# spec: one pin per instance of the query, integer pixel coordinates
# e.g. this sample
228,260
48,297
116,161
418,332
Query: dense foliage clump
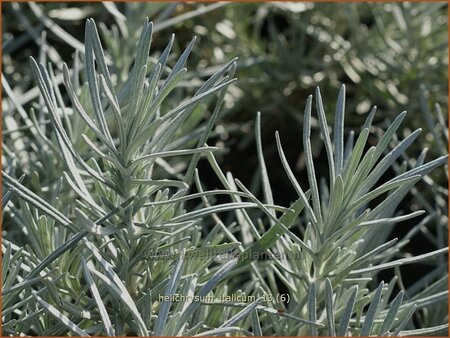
130,208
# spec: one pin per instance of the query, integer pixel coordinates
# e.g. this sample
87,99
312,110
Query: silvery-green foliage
330,270
98,265
108,222
119,40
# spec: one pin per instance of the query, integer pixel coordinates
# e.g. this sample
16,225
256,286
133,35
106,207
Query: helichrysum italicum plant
344,243
101,260
121,215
